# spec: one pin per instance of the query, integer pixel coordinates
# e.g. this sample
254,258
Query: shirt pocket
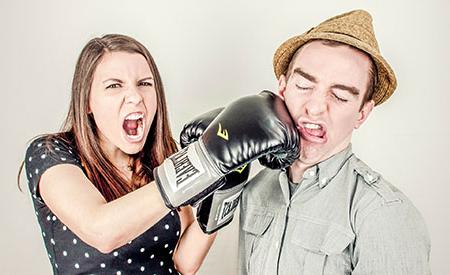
322,247
256,226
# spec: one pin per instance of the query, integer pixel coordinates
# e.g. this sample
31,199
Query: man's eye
302,87
339,98
146,83
112,86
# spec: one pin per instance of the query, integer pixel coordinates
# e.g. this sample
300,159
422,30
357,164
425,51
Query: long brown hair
81,125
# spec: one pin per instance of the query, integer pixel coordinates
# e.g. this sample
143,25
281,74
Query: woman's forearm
192,249
123,219
103,225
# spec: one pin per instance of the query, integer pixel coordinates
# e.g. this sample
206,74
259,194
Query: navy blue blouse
149,253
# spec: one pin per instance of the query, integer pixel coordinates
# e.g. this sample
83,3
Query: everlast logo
183,167
228,207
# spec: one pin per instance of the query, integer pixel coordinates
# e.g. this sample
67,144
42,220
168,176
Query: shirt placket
286,227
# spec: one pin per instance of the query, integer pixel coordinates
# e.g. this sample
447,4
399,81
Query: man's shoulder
260,180
374,194
369,182
262,187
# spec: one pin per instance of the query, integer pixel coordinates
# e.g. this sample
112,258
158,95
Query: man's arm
392,239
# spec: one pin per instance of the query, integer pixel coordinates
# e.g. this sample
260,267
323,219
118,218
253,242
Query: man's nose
317,104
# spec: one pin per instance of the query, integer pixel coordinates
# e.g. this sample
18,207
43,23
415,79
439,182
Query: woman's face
123,101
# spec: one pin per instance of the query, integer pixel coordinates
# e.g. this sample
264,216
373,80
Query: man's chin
311,153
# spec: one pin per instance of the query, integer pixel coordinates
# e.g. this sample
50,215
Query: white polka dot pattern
149,253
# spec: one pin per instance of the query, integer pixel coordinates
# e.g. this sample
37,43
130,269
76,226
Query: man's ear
282,85
364,113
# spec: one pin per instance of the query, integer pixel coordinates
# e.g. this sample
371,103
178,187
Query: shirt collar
328,168
324,171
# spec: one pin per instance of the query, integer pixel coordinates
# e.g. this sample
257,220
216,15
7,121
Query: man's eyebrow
305,75
353,90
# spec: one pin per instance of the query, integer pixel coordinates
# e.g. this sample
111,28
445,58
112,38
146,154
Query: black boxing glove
194,129
216,210
246,129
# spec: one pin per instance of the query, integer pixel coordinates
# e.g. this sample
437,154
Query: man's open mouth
313,132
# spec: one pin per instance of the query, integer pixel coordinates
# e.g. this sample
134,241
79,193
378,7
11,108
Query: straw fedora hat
353,28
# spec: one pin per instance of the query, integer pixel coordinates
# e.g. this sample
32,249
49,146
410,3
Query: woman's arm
80,206
193,245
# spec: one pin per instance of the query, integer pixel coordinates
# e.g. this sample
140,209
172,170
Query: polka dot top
149,253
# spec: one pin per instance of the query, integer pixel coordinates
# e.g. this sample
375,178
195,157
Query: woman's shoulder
53,144
48,150
65,139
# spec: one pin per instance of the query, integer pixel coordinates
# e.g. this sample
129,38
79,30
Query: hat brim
386,81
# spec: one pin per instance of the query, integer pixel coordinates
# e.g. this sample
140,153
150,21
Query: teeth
134,116
312,126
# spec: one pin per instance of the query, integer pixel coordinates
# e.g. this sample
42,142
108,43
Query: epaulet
375,181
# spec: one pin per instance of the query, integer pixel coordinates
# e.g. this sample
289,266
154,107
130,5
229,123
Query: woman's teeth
134,116
133,126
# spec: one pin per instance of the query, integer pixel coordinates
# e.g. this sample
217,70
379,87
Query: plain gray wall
209,54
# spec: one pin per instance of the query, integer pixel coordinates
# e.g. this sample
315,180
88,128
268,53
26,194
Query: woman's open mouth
133,126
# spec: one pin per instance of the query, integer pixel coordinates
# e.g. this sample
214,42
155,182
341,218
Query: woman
92,186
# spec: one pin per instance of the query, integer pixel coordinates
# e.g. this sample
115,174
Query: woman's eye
112,86
339,98
146,83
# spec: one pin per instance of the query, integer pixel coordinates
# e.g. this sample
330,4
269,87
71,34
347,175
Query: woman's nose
133,96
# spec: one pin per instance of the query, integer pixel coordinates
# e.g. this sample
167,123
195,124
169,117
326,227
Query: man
329,213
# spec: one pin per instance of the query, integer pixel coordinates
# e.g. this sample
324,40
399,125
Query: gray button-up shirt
344,218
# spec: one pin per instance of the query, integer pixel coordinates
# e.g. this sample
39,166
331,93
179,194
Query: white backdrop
209,54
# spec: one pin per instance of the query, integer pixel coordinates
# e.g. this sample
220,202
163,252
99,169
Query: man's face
323,92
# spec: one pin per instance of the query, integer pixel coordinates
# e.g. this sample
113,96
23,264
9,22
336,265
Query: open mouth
133,126
312,132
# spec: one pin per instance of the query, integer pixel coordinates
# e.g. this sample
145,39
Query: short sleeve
45,152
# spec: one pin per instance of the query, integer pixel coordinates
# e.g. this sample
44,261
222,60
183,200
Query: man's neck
297,169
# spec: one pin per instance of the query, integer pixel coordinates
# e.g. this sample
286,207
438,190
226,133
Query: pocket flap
321,238
256,222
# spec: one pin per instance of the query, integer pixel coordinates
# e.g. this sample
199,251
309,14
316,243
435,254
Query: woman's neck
118,158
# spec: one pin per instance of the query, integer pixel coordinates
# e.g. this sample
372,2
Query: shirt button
312,173
324,180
